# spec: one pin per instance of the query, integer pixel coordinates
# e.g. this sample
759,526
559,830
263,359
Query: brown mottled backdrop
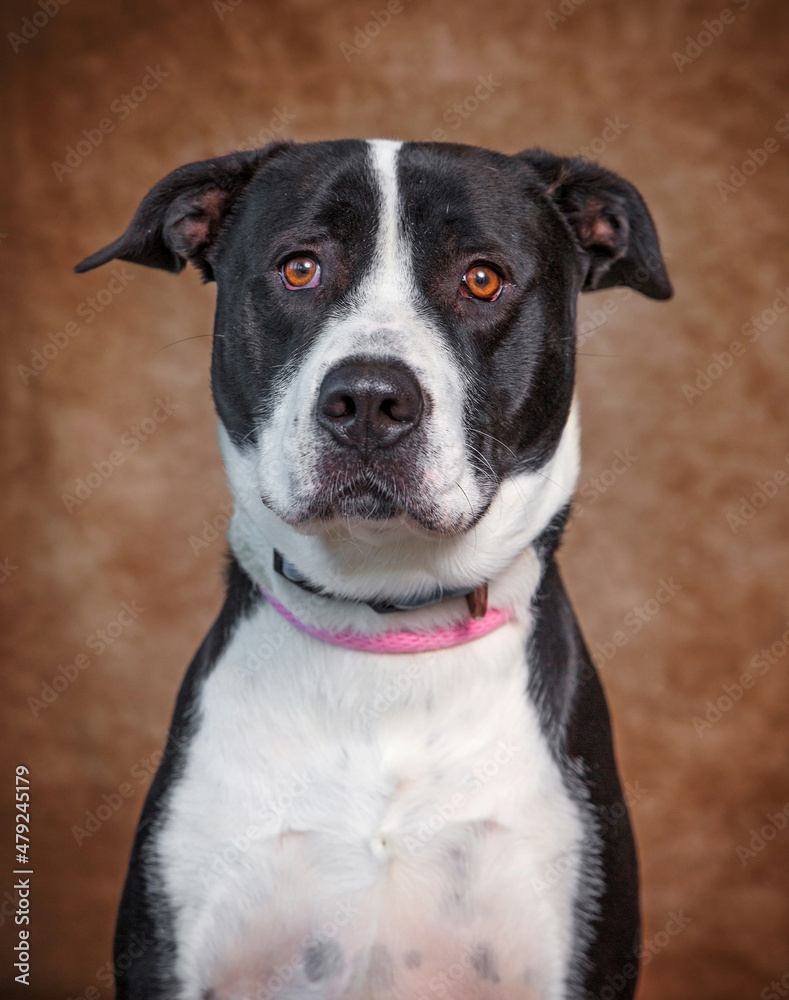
674,437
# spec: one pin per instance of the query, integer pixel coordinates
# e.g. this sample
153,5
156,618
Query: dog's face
394,332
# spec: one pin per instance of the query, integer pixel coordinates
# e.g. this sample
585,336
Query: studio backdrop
677,554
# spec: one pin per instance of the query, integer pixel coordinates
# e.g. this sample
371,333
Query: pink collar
402,641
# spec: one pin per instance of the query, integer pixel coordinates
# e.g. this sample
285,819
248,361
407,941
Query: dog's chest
365,826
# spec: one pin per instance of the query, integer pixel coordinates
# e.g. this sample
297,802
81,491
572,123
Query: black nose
369,404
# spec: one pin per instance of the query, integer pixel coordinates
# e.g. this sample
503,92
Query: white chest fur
370,826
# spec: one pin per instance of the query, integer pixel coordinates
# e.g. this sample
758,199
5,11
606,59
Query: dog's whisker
197,336
497,441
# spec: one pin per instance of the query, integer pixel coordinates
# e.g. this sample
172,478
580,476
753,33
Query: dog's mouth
370,496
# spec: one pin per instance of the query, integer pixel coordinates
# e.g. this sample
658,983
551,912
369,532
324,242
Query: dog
390,772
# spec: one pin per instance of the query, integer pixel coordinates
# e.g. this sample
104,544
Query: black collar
477,597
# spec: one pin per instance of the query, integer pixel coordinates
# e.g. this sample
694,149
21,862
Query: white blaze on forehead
392,264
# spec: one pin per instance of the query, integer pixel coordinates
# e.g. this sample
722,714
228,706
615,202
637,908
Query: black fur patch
566,689
322,960
144,951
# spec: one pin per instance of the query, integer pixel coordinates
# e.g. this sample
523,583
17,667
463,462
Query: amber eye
482,282
300,272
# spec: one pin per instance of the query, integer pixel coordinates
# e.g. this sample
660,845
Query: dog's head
394,334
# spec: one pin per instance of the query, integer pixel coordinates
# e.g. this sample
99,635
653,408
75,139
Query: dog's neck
393,561
476,597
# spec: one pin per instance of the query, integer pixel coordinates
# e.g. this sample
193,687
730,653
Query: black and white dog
390,771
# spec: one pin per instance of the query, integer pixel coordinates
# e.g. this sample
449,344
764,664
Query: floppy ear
180,218
610,221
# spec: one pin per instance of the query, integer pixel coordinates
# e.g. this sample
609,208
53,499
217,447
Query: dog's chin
373,509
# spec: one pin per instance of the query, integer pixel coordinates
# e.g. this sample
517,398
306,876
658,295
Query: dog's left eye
300,272
482,282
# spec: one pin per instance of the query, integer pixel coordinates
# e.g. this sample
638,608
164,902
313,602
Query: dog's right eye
300,272
481,282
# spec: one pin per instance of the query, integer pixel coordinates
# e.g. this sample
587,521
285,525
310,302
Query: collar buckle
477,602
